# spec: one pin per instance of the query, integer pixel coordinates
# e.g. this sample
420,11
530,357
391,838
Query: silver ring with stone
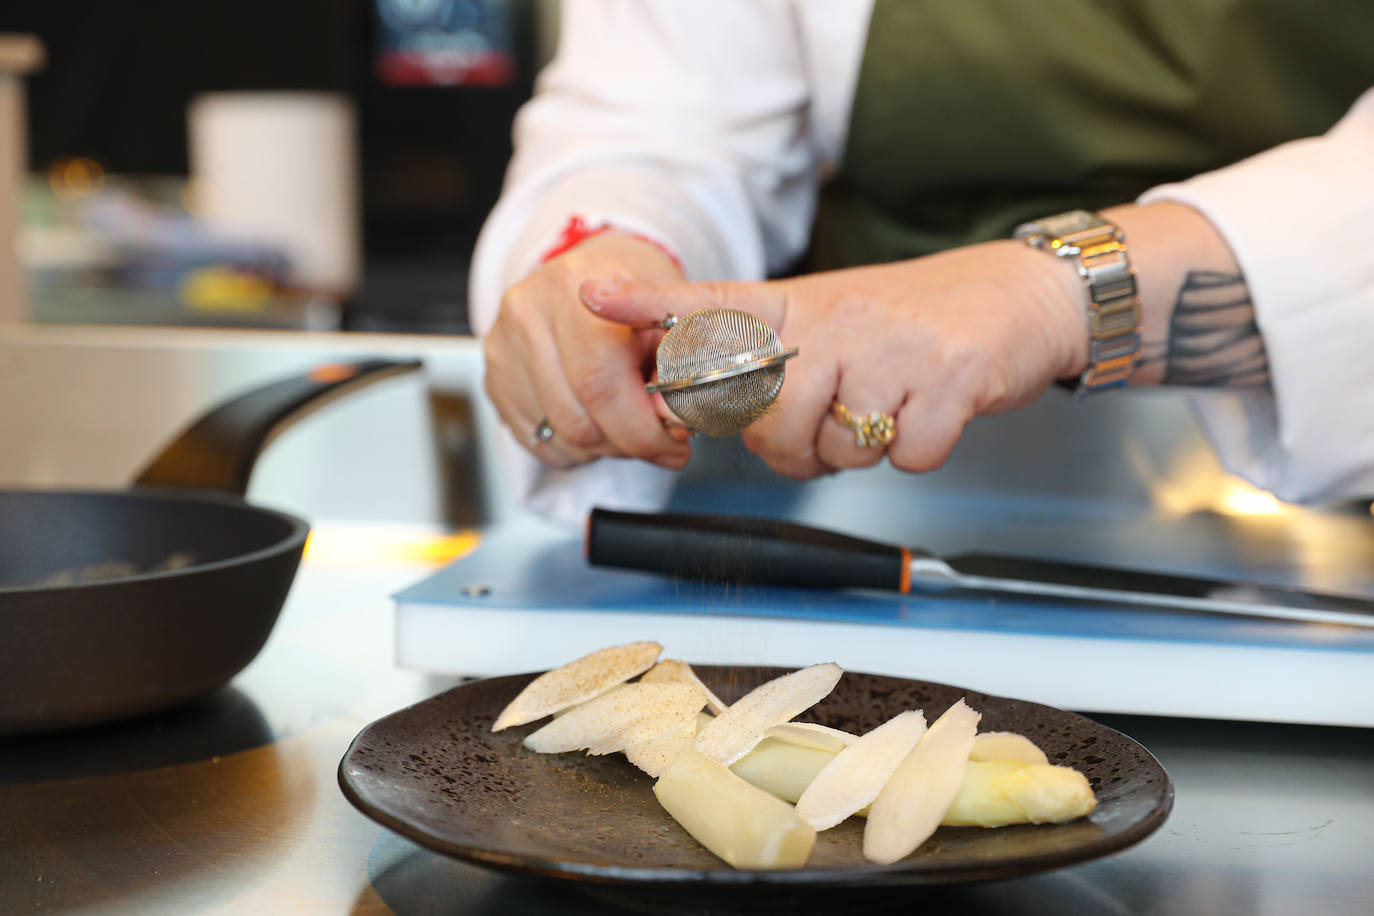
542,433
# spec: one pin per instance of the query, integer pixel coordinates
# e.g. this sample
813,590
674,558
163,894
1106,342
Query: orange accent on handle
905,585
332,372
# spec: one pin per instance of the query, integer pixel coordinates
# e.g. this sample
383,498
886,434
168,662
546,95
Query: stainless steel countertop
232,805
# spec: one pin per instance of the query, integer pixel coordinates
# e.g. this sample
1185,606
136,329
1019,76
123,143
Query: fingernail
678,433
598,289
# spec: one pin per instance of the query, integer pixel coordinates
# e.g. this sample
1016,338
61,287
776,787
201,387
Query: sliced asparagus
654,756
809,734
622,717
1006,746
577,682
670,669
741,824
735,732
783,769
912,804
858,773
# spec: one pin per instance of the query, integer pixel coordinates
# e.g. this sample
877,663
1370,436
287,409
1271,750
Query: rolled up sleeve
1298,218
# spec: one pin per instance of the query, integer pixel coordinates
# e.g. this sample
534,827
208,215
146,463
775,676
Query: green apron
972,116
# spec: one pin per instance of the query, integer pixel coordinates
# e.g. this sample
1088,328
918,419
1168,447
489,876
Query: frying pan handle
218,451
743,551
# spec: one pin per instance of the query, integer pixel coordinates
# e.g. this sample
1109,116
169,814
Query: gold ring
876,429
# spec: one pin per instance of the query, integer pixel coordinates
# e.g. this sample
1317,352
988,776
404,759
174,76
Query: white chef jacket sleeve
685,122
1299,218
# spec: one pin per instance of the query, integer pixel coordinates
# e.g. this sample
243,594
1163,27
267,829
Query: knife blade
745,550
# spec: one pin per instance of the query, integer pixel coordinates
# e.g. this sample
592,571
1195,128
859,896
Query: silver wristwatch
1099,249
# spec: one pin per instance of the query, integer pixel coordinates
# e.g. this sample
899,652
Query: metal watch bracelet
1099,249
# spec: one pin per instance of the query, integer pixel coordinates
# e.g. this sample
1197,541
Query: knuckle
844,453
527,322
927,454
796,466
498,380
522,307
867,457
492,381
513,300
640,443
492,354
578,430
596,386
795,463
914,460
764,448
677,462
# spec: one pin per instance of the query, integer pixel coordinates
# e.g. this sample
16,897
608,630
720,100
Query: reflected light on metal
1227,496
1239,498
1198,483
383,545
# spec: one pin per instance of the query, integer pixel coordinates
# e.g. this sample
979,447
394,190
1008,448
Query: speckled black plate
435,773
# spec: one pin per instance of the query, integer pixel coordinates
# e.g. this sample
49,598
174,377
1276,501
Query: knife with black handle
744,550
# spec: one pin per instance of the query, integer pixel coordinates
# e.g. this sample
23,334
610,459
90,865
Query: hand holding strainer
719,369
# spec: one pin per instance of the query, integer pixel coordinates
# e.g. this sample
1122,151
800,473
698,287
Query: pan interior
63,537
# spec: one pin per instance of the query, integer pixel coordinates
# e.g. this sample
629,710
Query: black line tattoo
1213,338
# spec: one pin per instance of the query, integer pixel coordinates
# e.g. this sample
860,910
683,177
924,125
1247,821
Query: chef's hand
932,341
549,357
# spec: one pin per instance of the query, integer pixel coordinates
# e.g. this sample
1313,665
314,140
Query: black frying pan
114,604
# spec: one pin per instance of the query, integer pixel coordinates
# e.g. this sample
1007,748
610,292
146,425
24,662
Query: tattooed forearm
1213,338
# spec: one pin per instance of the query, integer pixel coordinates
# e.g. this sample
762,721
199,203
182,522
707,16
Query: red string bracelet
576,231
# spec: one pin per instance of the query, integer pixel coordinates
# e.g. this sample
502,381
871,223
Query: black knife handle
741,550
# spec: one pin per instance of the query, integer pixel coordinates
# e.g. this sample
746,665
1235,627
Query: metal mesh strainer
720,369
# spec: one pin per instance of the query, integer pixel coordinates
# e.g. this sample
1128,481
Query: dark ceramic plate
435,773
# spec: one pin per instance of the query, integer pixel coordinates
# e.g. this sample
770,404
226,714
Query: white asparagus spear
809,734
996,793
745,826
991,794
782,769
1006,746
912,804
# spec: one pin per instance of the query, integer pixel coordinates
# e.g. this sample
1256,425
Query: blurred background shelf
433,87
